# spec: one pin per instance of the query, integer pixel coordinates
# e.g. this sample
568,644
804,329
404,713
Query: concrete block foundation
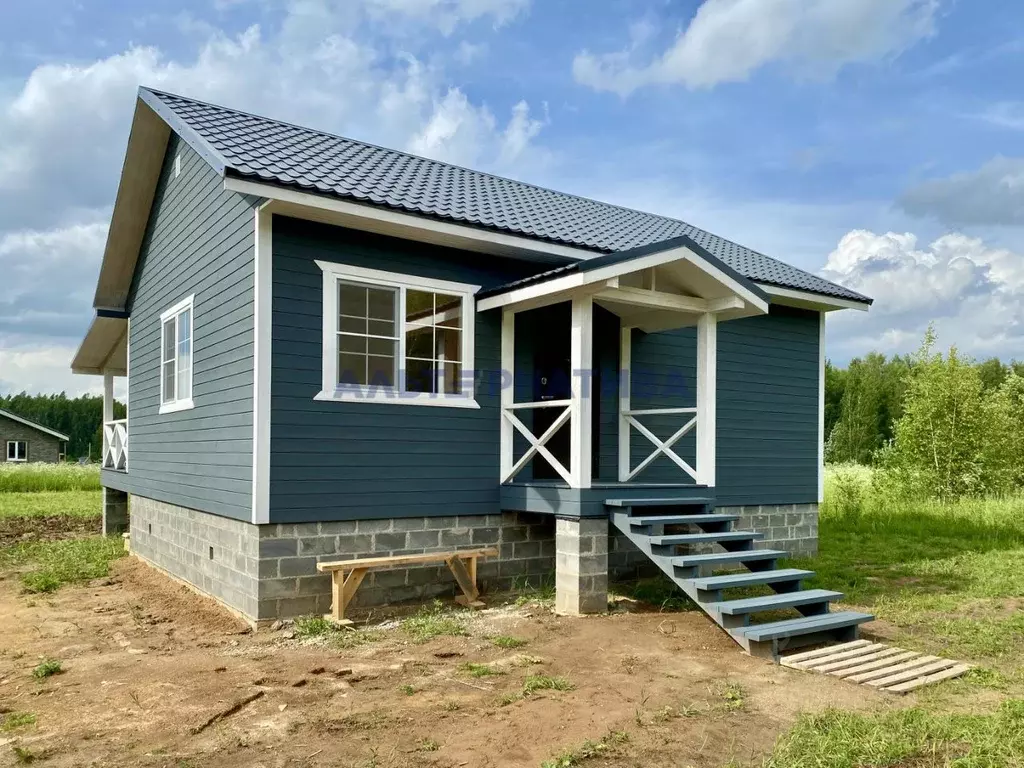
266,572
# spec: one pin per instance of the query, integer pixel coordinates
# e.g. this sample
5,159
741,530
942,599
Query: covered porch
104,352
583,421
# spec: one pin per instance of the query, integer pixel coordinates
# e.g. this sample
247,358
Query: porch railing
115,445
630,420
537,444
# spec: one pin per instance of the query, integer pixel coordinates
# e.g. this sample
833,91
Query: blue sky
876,142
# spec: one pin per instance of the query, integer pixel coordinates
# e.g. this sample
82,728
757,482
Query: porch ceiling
669,285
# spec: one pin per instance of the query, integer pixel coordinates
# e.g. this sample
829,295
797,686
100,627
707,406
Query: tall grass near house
944,572
32,478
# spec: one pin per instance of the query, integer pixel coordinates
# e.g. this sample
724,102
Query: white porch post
108,396
707,369
508,368
581,365
625,382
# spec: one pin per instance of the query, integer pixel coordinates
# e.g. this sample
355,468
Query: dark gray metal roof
261,149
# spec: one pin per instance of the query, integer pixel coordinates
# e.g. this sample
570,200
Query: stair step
725,558
682,501
698,538
730,580
681,519
802,626
773,602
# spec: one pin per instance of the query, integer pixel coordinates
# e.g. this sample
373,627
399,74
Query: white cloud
973,292
727,40
446,15
43,368
992,195
63,134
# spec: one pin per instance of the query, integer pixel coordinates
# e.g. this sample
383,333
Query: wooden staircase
644,522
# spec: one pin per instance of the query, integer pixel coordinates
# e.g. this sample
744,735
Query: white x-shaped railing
115,445
537,443
661,447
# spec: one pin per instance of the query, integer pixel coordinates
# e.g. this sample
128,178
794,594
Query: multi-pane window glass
433,343
367,335
17,450
176,357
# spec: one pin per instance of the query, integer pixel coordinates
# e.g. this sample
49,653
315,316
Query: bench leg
343,589
466,579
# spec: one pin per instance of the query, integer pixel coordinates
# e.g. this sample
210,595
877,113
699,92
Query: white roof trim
371,218
32,424
808,300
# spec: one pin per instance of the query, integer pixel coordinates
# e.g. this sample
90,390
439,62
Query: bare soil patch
52,528
152,674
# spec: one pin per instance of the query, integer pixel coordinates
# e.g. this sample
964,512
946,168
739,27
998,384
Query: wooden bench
347,575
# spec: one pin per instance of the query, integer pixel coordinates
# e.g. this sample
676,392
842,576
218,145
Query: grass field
28,478
51,504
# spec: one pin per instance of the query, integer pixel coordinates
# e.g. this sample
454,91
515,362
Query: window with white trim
17,450
176,342
396,338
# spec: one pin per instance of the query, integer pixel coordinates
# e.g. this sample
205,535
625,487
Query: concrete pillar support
115,512
581,566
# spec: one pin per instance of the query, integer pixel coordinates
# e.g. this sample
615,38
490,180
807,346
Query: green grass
535,683
908,737
508,642
55,563
434,621
659,592
314,626
47,668
945,574
13,720
533,590
480,670
588,750
32,478
353,638
83,504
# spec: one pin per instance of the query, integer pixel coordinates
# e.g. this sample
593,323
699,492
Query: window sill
17,461
179,405
394,398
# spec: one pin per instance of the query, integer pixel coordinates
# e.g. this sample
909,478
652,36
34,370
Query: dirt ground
146,663
14,530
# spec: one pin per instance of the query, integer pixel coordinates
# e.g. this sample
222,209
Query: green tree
941,445
871,401
79,418
993,373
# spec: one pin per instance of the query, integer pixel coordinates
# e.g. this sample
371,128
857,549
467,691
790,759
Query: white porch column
625,382
707,370
581,366
108,396
508,394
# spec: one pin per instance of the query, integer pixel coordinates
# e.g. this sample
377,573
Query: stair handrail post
707,374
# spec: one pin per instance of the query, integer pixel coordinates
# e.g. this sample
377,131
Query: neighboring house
340,350
25,441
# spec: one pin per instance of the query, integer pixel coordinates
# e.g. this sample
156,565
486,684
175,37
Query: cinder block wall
267,572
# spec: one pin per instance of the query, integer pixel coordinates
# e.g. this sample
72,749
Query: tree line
80,418
938,425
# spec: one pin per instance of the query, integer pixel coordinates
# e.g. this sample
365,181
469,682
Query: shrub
47,668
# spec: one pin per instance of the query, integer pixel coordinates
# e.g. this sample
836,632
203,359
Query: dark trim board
562,501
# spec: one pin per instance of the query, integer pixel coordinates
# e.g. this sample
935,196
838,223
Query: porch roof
105,346
654,287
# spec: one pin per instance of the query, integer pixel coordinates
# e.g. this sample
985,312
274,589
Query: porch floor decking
556,498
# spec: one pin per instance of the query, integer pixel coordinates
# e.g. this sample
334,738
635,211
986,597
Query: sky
878,143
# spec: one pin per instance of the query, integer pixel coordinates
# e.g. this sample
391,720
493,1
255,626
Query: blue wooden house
335,351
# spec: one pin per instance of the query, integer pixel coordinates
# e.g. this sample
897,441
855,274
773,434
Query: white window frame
24,457
187,403
332,390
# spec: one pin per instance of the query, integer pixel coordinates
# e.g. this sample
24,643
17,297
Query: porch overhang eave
104,348
666,285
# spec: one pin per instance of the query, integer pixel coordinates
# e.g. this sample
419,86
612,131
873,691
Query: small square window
17,450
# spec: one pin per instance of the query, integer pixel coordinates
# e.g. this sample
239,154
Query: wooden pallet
880,666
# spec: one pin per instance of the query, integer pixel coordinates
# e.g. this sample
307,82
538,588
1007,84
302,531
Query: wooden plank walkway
890,669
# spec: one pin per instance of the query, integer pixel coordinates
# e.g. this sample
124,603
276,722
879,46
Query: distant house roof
27,423
245,146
